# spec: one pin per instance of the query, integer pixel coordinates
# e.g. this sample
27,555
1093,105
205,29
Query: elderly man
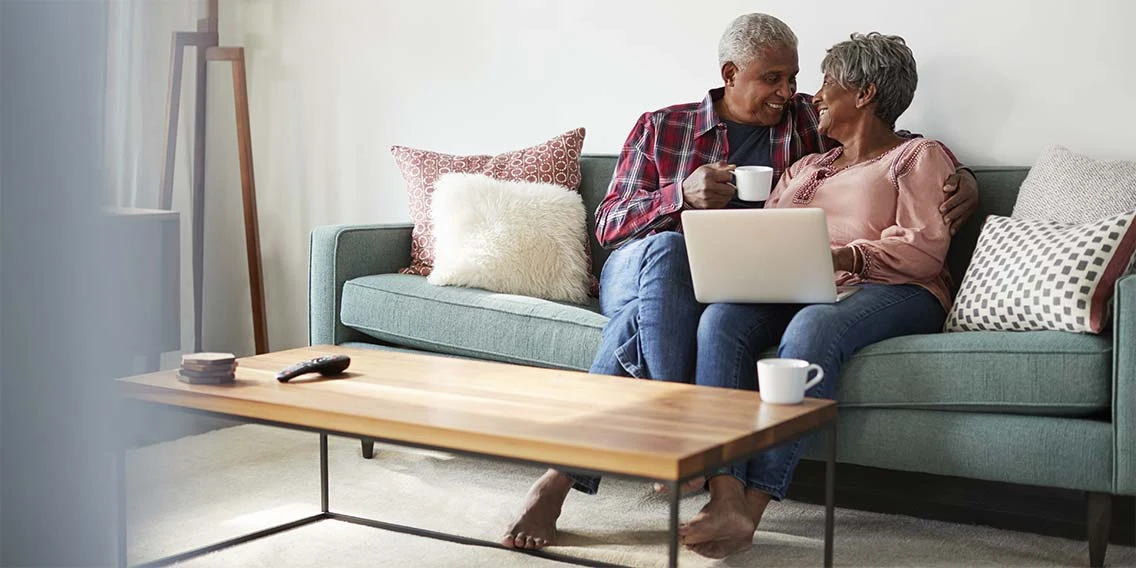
677,158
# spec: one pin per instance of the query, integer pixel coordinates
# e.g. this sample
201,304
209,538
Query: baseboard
1026,508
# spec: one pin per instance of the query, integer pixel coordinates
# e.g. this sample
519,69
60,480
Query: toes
704,549
720,548
529,542
509,541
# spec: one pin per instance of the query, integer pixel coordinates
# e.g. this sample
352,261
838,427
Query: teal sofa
1050,409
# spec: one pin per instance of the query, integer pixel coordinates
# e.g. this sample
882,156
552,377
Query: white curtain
139,34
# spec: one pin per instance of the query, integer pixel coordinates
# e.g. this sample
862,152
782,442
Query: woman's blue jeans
731,337
659,331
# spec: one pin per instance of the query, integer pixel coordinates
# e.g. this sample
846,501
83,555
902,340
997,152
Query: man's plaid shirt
667,145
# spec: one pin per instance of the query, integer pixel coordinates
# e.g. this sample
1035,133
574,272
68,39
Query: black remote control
326,365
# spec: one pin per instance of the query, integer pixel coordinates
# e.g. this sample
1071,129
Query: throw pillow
554,161
1070,188
508,236
1037,275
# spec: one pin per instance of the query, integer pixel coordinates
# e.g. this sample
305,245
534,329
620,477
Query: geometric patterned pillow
1028,275
553,161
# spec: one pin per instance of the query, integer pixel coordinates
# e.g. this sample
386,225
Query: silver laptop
748,256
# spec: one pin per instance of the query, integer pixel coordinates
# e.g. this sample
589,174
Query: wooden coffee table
572,421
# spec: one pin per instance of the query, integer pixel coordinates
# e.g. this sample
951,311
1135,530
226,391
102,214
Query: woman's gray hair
878,59
749,35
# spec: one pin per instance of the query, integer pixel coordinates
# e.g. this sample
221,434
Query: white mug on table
784,381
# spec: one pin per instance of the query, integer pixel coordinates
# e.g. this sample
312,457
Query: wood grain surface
634,427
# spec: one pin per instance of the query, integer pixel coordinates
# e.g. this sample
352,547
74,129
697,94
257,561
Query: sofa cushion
1037,372
405,310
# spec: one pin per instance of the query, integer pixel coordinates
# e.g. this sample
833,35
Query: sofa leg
1100,515
368,448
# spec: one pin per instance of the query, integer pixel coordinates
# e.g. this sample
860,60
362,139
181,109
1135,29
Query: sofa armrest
338,254
1124,385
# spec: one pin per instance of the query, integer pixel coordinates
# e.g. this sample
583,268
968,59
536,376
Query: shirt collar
708,118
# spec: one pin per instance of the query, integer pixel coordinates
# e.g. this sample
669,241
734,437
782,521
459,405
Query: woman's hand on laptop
843,259
708,187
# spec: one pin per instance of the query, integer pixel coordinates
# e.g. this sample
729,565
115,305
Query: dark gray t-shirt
749,146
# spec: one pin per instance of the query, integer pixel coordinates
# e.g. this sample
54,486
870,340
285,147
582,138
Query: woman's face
757,93
838,107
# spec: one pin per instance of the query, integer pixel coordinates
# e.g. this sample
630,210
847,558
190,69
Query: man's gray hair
749,35
878,59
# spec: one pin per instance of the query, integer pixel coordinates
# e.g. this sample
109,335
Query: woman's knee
716,325
811,327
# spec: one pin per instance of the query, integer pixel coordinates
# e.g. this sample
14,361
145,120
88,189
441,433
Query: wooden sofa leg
1100,515
368,448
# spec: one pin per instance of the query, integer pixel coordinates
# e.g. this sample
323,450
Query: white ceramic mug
783,381
753,182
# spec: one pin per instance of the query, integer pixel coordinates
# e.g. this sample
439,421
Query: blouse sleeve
915,247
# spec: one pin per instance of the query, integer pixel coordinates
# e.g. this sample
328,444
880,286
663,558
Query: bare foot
721,548
687,488
727,523
536,525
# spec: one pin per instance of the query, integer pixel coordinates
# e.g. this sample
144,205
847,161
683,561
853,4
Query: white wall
334,83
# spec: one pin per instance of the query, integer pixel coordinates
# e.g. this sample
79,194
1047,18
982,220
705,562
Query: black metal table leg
323,473
829,495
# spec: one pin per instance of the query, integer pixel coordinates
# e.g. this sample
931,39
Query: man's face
757,93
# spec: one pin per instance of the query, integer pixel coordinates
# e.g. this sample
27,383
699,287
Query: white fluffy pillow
509,236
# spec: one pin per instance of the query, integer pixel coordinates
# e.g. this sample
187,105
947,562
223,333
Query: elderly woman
881,194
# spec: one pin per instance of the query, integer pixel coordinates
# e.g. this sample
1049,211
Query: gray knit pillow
1067,187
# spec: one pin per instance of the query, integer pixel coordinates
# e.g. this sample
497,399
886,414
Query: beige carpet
202,489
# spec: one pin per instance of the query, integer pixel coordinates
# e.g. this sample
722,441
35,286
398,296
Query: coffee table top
635,427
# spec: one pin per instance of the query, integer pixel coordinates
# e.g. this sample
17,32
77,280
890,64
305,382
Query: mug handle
816,379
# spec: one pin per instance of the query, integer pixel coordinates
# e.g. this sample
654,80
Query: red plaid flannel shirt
667,145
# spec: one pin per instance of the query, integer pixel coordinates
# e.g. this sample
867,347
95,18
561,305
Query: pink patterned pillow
555,161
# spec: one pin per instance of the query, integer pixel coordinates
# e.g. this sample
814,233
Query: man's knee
666,251
666,245
666,241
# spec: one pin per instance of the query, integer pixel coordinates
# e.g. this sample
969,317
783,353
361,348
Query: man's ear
866,95
729,72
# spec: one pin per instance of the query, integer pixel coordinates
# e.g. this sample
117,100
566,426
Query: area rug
202,489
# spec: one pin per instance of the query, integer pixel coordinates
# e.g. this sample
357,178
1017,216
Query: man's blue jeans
732,336
645,289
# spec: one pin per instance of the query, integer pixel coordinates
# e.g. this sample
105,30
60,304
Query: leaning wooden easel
205,39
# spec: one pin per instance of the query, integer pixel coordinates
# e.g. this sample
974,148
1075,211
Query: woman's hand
843,259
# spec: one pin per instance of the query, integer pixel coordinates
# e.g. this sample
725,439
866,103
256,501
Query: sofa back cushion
997,188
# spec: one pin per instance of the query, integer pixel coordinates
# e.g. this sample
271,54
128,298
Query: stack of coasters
207,368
